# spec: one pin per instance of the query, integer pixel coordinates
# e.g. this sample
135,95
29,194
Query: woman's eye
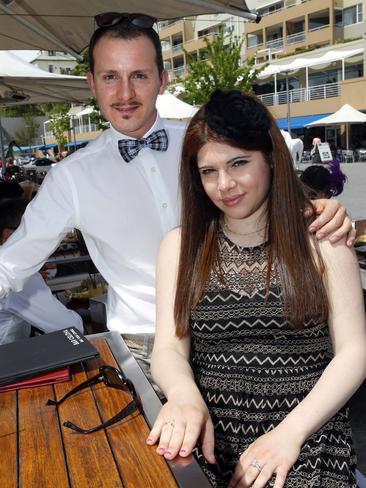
239,162
206,171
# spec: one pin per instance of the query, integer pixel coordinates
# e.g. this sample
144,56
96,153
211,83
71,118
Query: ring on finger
256,464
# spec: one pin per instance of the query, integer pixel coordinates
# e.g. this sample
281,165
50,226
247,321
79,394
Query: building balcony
302,94
327,98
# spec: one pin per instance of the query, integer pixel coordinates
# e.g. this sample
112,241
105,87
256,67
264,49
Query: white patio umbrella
67,25
345,115
170,107
22,83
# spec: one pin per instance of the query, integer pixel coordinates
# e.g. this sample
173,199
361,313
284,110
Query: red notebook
56,376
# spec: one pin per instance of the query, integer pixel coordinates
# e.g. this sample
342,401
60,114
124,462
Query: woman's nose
225,181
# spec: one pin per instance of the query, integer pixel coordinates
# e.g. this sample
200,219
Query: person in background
260,334
314,153
324,181
121,190
34,305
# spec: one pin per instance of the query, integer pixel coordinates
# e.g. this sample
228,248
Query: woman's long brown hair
289,243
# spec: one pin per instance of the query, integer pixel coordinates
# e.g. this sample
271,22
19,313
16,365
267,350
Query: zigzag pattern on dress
253,368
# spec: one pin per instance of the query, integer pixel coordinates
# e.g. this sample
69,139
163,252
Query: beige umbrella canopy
68,24
22,83
345,115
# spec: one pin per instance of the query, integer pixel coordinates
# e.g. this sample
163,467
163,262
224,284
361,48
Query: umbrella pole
347,145
2,149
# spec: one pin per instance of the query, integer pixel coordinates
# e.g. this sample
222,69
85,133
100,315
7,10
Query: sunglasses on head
109,19
115,379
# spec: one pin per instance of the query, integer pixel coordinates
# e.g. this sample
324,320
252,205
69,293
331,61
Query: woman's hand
332,221
179,425
272,453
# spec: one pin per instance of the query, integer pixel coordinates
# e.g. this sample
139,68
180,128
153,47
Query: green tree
219,66
27,135
59,121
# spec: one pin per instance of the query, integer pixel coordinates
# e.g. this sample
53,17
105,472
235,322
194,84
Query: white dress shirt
122,209
33,305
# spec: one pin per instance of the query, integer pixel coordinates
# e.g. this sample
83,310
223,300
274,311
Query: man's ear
90,79
164,78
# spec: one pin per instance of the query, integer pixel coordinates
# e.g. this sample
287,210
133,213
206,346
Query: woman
246,304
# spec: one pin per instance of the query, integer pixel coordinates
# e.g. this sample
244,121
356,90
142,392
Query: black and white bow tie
129,148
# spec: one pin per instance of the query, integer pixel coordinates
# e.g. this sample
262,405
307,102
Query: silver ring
170,423
256,464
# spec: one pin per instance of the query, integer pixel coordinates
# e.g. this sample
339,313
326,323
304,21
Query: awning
299,122
46,146
309,61
76,143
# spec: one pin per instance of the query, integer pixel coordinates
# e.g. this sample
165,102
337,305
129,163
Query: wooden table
38,451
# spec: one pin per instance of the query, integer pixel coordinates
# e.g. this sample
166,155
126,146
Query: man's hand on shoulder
332,221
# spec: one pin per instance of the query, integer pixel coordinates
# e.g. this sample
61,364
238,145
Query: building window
350,15
51,53
51,68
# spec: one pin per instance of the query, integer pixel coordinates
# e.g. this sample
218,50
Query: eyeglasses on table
115,379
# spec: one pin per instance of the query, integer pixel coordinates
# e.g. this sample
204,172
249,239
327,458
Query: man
34,305
122,199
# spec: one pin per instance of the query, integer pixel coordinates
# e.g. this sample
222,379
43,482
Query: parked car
36,170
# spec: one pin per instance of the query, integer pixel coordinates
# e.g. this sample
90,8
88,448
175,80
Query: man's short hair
126,30
10,189
11,211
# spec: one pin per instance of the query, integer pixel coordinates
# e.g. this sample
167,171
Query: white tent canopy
170,107
309,61
68,25
22,83
345,115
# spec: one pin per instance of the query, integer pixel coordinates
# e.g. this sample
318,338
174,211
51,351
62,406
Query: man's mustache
125,105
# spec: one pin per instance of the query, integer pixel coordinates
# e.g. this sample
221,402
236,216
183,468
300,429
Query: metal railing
275,43
318,92
177,47
294,38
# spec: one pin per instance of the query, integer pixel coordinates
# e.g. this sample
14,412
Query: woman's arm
185,417
278,450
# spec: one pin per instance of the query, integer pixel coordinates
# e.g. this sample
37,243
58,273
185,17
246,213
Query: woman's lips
232,201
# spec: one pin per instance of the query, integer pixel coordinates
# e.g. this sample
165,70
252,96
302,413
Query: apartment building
55,62
315,50
188,35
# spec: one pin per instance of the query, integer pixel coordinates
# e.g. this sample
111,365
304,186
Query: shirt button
164,205
153,170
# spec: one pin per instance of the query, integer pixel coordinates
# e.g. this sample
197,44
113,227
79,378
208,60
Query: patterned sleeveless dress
253,369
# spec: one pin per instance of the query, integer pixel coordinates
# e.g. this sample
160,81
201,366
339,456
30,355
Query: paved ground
354,193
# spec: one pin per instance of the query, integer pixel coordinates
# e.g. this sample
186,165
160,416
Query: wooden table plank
89,457
41,455
8,438
140,464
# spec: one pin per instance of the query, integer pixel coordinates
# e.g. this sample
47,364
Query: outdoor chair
348,156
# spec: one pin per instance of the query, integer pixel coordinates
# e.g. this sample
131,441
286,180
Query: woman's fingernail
320,235
167,453
183,451
149,440
160,450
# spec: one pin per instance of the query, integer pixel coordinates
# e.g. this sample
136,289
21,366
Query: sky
26,55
